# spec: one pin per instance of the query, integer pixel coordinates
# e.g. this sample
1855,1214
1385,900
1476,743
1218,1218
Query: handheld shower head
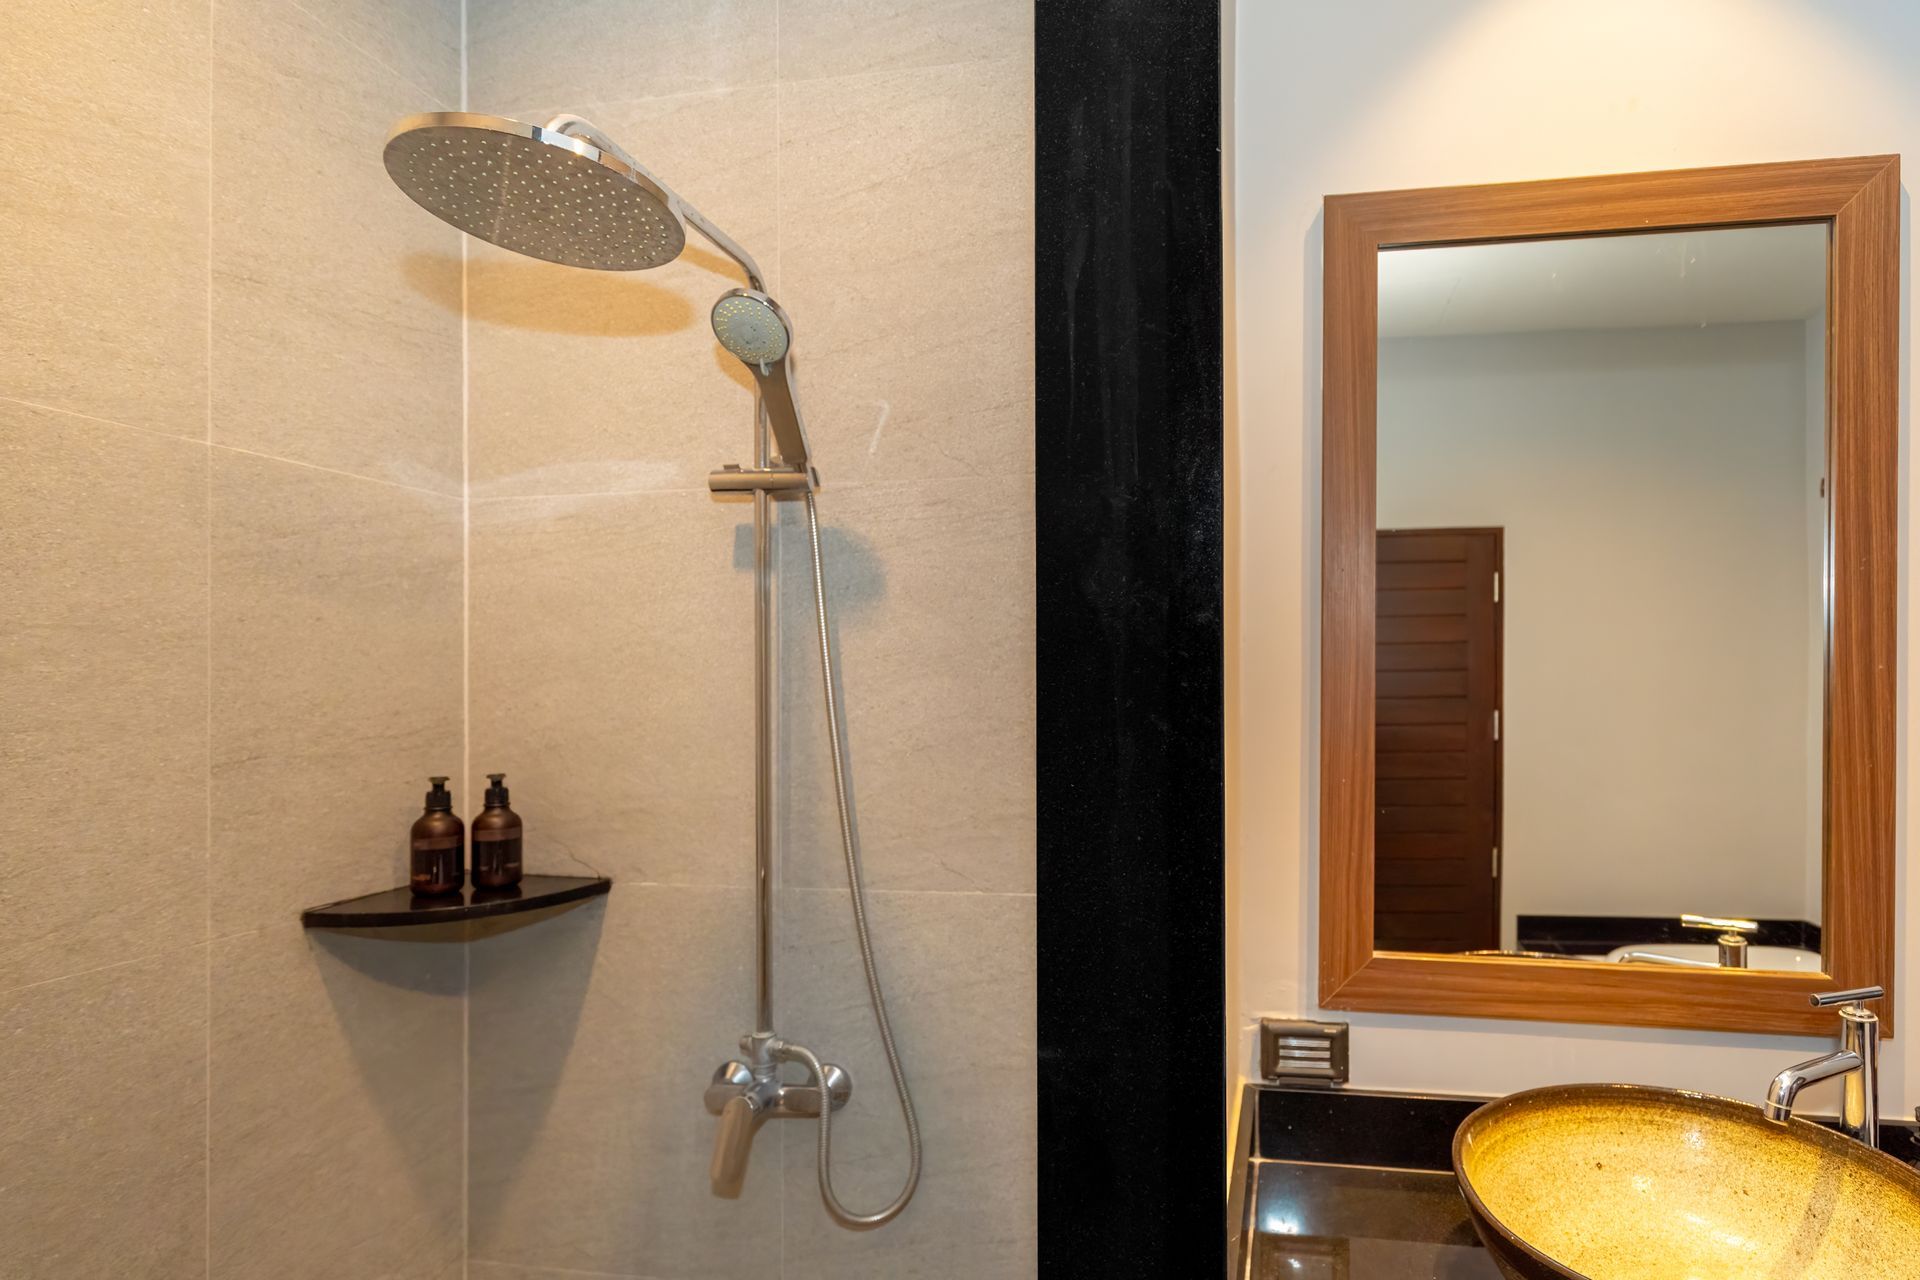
757,333
751,327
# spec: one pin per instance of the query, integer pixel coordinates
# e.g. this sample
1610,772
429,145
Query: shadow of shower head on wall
860,571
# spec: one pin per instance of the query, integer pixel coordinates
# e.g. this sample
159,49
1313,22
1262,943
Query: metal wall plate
1299,1050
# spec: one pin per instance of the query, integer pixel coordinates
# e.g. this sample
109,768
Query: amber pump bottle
439,852
496,839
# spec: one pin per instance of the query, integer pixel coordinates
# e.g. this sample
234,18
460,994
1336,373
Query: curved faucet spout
1787,1085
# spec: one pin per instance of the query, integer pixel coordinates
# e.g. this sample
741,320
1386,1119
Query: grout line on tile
566,1271
840,890
466,710
592,493
920,481
782,844
339,37
335,471
206,1060
873,892
779,190
880,72
105,422
587,106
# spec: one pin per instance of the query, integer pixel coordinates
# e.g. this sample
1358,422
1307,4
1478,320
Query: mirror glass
1601,603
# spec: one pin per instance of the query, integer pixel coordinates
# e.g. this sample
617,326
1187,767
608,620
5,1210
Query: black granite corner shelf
396,908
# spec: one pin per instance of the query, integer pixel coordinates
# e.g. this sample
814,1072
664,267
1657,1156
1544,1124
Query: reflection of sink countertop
1789,959
1344,1222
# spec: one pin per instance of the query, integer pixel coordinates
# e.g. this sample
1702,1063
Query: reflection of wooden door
1436,740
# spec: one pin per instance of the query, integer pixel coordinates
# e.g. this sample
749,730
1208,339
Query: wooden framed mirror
1608,591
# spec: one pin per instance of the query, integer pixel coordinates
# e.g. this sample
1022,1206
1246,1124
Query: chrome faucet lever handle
732,1143
1856,996
1719,924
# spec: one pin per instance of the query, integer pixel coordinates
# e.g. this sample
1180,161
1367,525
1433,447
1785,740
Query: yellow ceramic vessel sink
1618,1182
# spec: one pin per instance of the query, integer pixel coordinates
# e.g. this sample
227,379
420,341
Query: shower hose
856,891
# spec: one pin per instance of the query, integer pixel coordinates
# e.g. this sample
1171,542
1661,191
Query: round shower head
750,325
525,188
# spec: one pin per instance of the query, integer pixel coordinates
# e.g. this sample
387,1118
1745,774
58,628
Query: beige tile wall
233,414
230,383
876,156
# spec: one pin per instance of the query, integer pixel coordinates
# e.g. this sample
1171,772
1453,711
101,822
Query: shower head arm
581,127
725,244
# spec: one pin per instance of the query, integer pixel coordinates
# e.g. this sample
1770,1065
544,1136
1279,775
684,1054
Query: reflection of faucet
1858,1060
1732,936
1731,939
1656,957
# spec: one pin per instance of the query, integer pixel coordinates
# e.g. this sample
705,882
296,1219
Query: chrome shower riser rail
763,746
744,1093
762,480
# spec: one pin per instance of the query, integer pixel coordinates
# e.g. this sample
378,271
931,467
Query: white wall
1815,676
1653,488
1332,98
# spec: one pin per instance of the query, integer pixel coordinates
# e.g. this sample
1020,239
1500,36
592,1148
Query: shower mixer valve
743,1094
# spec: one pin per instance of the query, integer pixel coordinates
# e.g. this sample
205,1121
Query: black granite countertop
1353,1184
1350,1222
1356,1185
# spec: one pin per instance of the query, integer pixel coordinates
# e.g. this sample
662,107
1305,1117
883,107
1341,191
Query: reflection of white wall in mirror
1814,361
1654,489
1740,275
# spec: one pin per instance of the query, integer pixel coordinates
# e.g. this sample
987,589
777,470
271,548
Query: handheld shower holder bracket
776,478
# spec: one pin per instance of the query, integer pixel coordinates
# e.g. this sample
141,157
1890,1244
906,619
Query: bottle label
436,866
496,858
433,844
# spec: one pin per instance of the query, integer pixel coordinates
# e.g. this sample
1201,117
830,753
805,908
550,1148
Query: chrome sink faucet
1858,1061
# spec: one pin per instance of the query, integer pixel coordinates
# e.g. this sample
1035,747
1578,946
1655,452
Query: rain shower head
536,190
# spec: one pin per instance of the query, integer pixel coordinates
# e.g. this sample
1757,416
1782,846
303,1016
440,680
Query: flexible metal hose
856,890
